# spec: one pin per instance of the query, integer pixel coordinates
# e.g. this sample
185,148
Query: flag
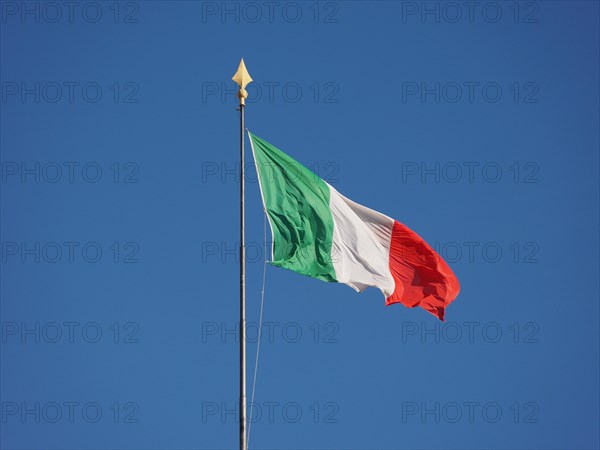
322,234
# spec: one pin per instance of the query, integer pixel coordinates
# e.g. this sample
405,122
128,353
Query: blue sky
475,126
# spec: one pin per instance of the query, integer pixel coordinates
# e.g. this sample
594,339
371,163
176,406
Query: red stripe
422,277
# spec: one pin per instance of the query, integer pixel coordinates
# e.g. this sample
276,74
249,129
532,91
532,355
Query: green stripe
297,202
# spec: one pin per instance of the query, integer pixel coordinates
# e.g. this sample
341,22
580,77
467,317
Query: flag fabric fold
320,233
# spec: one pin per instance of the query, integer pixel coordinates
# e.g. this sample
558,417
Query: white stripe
360,250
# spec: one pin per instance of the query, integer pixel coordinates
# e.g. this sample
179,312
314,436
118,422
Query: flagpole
243,444
242,78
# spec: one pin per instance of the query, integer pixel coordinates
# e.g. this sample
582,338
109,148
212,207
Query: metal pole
243,443
242,78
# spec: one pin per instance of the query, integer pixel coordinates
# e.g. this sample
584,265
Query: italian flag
320,233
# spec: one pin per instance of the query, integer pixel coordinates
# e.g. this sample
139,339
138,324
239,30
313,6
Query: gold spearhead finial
243,79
